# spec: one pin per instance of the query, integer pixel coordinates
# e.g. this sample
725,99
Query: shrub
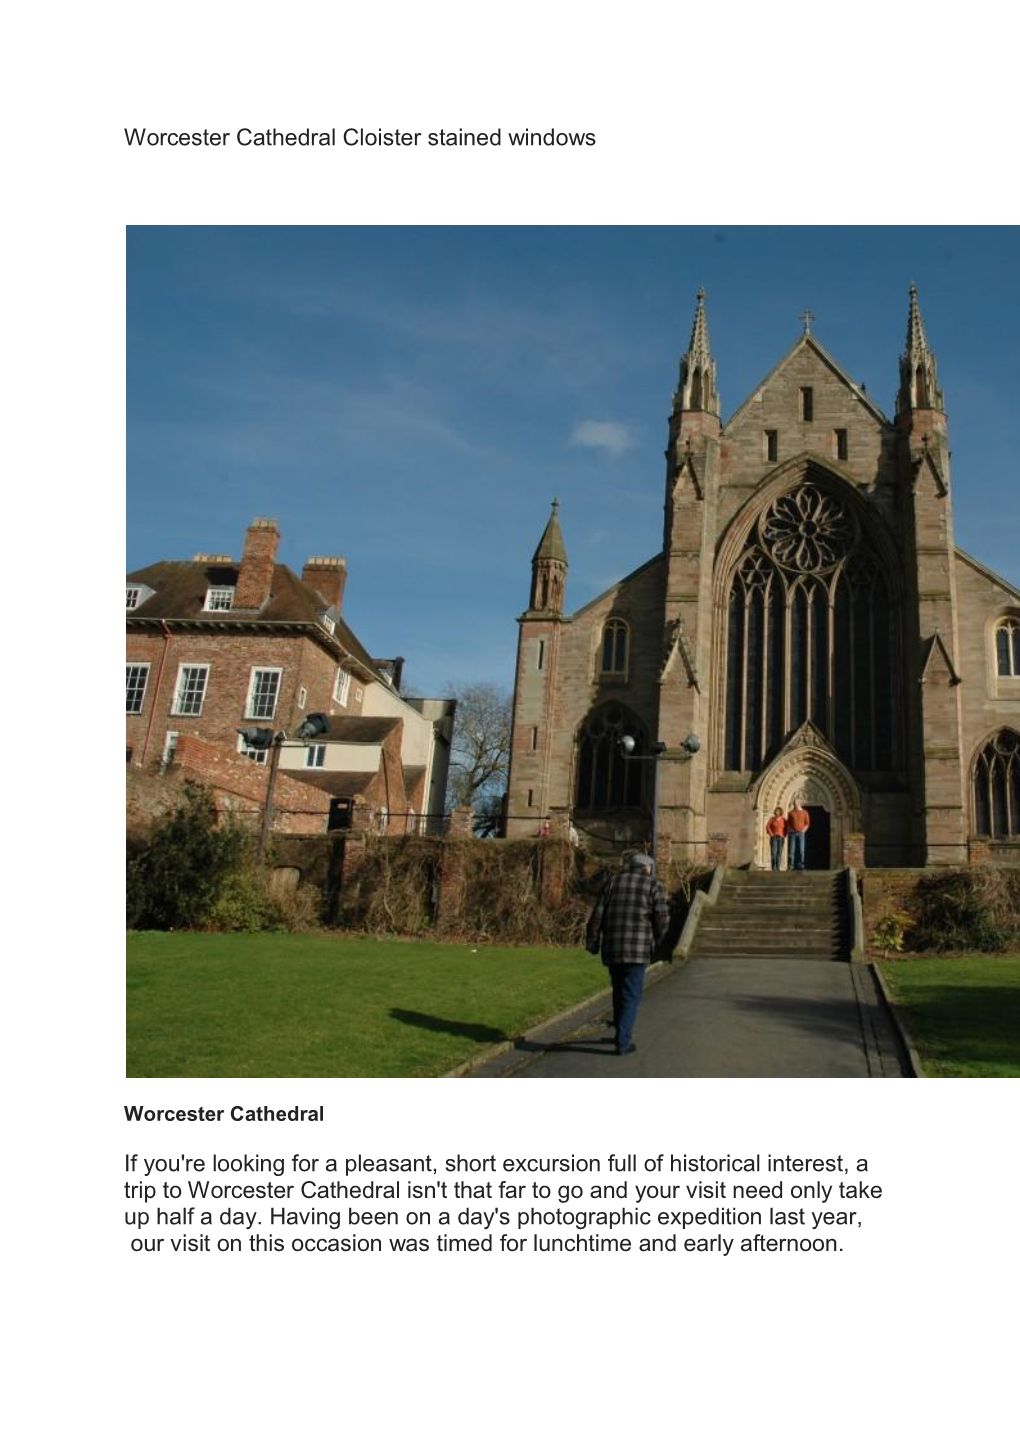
174,883
890,931
971,910
244,904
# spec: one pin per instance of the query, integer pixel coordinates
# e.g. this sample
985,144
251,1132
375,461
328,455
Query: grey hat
645,862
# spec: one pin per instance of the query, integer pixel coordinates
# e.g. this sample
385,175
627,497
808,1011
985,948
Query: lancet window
812,634
615,637
997,787
1007,648
604,779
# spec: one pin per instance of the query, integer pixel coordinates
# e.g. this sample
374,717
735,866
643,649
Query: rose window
807,531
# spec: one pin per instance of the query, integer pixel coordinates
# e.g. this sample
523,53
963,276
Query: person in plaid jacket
630,918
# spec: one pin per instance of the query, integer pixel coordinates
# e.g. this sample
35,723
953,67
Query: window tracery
996,786
1007,647
811,634
604,779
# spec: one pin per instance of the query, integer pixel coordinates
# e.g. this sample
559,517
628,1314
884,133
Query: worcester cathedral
809,620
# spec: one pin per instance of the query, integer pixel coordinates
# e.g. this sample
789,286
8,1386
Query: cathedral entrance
809,771
818,849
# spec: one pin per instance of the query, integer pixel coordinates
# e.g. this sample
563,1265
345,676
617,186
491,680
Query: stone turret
919,381
697,389
549,568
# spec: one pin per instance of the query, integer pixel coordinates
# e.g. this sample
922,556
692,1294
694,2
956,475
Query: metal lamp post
262,738
658,753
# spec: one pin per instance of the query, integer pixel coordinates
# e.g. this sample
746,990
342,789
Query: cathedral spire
919,383
549,567
697,389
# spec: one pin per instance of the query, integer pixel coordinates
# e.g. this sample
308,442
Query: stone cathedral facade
809,619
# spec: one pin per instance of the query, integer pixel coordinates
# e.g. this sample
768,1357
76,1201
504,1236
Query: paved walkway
730,1017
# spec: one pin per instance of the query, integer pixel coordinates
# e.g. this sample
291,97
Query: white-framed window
329,624
342,686
170,747
137,680
383,820
263,691
302,698
411,825
134,596
1007,647
315,756
219,598
189,693
258,754
358,693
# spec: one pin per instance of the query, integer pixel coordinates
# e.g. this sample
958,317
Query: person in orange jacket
797,824
776,831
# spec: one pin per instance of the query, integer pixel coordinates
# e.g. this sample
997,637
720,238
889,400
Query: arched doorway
807,769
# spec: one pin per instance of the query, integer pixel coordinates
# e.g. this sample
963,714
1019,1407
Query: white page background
792,114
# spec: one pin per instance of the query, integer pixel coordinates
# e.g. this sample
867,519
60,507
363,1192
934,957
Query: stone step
772,916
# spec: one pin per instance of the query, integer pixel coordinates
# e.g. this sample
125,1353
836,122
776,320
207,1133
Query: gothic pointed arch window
614,652
1007,647
996,788
812,634
605,781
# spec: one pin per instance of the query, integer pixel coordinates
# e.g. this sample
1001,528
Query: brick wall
230,658
239,787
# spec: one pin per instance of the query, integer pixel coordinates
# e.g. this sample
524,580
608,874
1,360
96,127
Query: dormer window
614,648
329,624
137,594
219,598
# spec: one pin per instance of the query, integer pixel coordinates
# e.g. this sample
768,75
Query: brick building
809,619
216,645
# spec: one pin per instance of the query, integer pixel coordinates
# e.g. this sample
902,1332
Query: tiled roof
334,783
180,589
358,730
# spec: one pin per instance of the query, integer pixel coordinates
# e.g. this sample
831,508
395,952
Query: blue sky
413,398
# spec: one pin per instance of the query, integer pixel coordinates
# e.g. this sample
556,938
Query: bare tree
480,752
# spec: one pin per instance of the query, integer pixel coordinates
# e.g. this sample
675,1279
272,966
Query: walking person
776,831
797,824
630,918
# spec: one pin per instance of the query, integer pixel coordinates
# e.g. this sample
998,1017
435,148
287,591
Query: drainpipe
167,642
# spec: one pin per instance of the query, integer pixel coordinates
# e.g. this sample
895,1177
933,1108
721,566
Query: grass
316,1005
962,1013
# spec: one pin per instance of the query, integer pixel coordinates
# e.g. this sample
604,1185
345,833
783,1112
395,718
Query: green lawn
299,1005
963,1013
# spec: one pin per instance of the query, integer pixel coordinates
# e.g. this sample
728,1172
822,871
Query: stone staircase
786,915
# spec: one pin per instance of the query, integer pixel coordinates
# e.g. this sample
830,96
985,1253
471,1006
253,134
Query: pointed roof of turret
700,348
919,387
917,341
551,547
697,389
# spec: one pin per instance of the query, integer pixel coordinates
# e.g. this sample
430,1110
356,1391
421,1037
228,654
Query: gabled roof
987,572
809,342
652,561
179,590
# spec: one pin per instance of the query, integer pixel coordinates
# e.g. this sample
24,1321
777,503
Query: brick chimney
255,578
328,574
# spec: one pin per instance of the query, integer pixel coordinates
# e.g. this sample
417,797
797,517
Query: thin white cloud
613,437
